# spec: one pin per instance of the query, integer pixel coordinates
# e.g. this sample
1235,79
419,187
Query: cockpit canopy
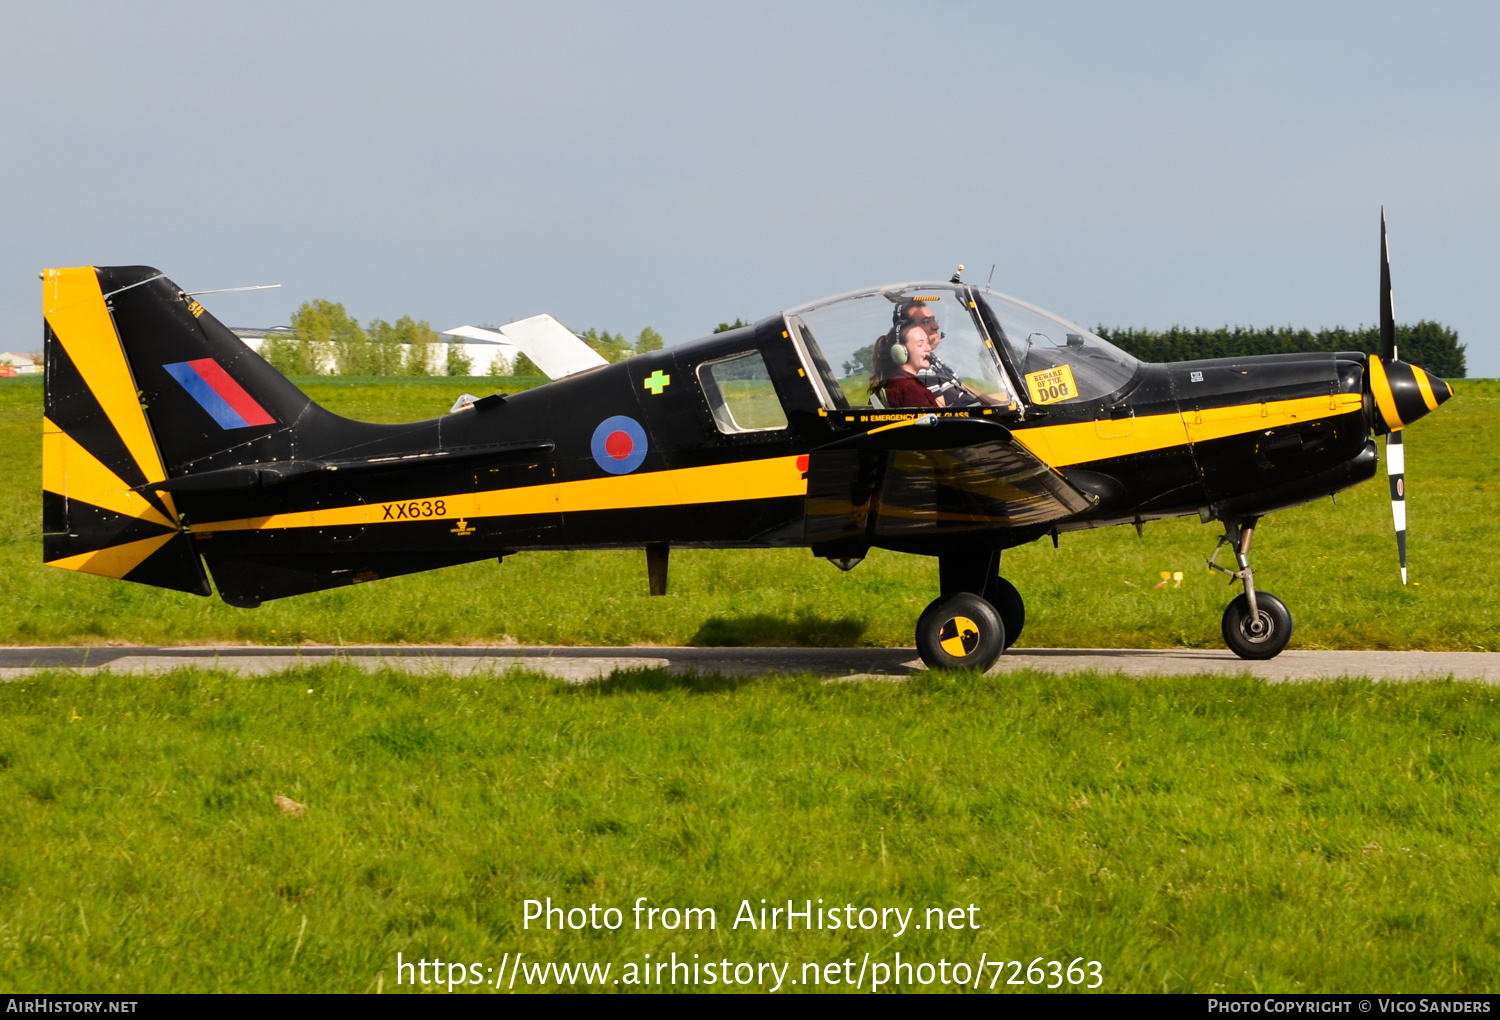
1057,360
1001,351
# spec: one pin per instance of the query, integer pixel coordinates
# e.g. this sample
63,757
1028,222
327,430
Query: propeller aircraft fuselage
169,445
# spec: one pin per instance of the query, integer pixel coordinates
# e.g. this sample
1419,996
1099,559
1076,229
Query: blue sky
680,164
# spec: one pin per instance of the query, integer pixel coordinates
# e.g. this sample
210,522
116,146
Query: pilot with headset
899,356
939,379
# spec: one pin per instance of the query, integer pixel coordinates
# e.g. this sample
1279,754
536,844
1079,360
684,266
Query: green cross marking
657,381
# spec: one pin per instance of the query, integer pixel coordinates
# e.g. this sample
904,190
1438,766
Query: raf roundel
619,445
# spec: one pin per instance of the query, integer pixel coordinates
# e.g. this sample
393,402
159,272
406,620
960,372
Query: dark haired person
897,365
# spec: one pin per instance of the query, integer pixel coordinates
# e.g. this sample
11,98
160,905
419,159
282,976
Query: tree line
326,340
1431,345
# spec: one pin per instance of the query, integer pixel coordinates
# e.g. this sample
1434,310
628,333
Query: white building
19,364
482,354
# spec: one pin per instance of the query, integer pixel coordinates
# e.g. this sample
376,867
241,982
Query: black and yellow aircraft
168,444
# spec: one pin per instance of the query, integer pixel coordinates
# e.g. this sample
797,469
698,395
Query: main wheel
1007,601
961,631
1262,638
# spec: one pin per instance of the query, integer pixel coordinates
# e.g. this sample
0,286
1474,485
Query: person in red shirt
897,365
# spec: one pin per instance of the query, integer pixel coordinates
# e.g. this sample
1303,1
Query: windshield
849,339
1057,360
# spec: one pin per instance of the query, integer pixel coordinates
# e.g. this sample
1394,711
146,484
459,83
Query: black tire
1007,601
961,631
1276,627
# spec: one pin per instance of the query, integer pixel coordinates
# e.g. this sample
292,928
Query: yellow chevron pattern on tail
74,307
99,459
115,560
70,470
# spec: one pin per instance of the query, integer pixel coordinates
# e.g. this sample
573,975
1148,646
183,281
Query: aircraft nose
1403,393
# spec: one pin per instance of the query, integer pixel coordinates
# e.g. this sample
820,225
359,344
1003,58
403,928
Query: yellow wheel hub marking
954,635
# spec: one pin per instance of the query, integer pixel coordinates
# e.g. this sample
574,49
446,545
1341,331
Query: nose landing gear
1257,624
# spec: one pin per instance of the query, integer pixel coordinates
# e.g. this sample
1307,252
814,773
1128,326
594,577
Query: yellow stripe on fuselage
1082,442
776,477
715,483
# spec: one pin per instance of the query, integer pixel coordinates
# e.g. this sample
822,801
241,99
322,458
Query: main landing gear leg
963,628
1007,601
981,576
1257,624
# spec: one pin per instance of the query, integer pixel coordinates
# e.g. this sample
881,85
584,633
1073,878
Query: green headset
900,320
899,354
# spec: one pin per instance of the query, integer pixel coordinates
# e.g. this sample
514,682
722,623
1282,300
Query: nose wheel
1257,624
1258,634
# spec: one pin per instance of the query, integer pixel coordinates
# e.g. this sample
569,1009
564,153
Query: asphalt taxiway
578,664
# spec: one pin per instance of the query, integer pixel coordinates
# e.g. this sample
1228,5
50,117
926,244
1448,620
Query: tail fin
118,420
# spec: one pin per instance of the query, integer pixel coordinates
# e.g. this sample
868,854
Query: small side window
740,394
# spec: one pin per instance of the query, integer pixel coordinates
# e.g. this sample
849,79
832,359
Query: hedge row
1431,345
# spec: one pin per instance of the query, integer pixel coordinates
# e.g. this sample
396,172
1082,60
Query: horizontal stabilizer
548,343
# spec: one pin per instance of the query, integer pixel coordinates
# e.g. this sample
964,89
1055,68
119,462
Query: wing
953,476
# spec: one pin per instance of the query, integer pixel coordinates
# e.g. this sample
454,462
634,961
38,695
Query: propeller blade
1395,448
1387,299
1395,468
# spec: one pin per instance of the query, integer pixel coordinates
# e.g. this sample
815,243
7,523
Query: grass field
1192,834
1333,564
1207,834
